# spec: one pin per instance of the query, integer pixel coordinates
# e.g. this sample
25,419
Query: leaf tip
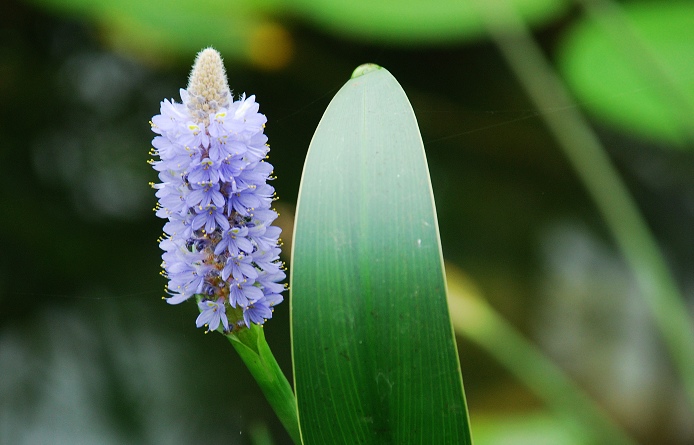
364,69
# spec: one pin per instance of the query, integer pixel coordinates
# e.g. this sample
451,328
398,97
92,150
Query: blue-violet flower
219,244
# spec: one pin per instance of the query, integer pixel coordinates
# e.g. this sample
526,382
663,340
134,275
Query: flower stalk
256,354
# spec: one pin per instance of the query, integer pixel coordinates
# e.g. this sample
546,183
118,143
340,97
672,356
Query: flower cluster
219,245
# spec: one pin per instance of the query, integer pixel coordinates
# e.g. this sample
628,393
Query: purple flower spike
219,244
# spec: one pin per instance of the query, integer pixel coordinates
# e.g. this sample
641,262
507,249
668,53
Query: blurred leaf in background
409,22
528,429
636,74
157,31
250,29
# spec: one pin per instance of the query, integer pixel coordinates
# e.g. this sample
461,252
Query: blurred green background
89,354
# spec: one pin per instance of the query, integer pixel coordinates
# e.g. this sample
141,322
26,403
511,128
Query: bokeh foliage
646,53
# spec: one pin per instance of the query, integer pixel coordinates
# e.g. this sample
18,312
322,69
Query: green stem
590,161
476,320
255,353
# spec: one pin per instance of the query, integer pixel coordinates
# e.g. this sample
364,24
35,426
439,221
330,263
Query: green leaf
375,360
413,21
160,29
636,71
528,428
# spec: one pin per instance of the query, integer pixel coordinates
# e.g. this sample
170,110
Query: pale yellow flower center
208,89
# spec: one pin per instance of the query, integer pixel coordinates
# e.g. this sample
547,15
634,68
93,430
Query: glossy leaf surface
374,354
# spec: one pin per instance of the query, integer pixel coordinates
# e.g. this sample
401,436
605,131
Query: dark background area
89,353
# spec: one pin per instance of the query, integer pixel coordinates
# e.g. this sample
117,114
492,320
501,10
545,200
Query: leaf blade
367,263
